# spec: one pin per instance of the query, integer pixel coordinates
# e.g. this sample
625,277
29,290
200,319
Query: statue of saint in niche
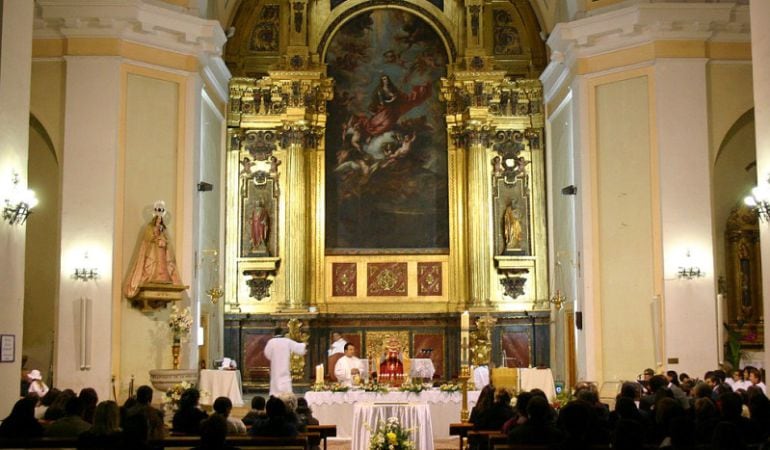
260,228
154,266
512,229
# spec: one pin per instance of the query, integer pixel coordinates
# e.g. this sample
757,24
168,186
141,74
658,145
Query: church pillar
15,58
296,217
760,55
479,219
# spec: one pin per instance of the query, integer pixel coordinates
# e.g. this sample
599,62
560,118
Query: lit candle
319,374
465,321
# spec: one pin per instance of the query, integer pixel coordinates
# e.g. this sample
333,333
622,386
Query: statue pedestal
165,379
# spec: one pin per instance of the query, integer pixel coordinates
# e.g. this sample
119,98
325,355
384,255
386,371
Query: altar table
415,417
220,383
337,407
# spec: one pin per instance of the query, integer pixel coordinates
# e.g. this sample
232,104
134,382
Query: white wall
685,189
90,157
15,69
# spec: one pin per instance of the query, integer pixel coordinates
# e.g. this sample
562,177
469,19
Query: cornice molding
635,26
153,24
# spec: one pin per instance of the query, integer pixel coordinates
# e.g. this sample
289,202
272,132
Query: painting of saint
386,167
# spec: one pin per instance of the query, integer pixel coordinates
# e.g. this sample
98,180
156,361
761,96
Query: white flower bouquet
180,322
390,435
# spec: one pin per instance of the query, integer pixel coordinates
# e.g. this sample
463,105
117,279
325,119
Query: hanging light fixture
18,203
759,200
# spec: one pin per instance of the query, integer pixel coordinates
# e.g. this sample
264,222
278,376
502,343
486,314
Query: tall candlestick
465,321
319,374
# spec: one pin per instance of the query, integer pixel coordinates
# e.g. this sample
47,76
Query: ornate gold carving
386,279
481,340
379,343
429,278
344,279
297,361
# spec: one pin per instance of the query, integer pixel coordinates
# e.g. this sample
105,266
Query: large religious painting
386,145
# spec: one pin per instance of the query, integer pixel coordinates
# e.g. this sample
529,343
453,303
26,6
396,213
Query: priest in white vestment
279,350
348,366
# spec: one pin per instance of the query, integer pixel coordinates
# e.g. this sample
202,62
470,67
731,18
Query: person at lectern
349,369
279,350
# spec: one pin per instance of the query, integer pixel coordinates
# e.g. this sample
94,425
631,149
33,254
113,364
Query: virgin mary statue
154,276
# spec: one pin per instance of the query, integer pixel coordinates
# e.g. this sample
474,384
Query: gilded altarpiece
385,183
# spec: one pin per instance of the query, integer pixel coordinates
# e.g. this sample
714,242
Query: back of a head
626,408
702,390
73,407
538,411
589,397
667,409
289,399
275,407
731,405
576,418
50,396
223,405
89,397
258,403
630,389
302,406
705,409
214,431
658,382
106,418
144,395
189,398
503,397
23,410
522,400
278,331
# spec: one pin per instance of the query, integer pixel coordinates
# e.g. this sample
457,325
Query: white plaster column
90,155
15,72
681,112
760,55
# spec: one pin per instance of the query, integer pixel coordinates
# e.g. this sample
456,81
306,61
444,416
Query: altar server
338,344
348,367
279,350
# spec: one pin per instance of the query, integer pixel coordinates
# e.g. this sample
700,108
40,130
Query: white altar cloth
422,368
537,378
336,408
220,383
412,416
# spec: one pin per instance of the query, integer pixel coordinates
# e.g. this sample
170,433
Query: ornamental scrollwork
297,363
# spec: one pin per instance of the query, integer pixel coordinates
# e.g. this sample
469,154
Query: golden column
296,136
479,221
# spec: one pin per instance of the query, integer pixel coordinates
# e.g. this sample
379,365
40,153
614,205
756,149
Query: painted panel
386,170
255,363
386,279
429,278
344,279
516,348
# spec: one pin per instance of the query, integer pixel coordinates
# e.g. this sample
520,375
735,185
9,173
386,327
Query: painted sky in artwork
386,159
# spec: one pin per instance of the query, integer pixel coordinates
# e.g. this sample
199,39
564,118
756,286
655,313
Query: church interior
570,175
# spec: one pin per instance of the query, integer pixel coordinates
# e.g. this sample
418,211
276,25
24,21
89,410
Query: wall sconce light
689,271
85,273
759,199
18,203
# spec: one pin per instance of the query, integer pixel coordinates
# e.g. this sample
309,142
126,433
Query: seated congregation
139,425
658,411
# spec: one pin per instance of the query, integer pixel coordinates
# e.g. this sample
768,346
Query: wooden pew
326,431
485,439
301,442
460,429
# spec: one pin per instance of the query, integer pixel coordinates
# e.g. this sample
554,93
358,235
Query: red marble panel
433,341
386,279
255,362
516,348
343,279
428,278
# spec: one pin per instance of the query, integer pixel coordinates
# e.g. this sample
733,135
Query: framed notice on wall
7,347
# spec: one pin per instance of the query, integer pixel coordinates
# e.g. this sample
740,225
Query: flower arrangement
374,386
415,388
180,322
171,397
450,387
390,435
337,387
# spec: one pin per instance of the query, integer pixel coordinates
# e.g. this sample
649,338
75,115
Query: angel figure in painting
512,229
154,262
260,227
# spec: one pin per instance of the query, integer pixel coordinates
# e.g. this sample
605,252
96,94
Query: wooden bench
325,431
301,442
460,429
485,439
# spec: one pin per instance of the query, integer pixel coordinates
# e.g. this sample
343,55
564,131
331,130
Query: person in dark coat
188,418
21,422
275,423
